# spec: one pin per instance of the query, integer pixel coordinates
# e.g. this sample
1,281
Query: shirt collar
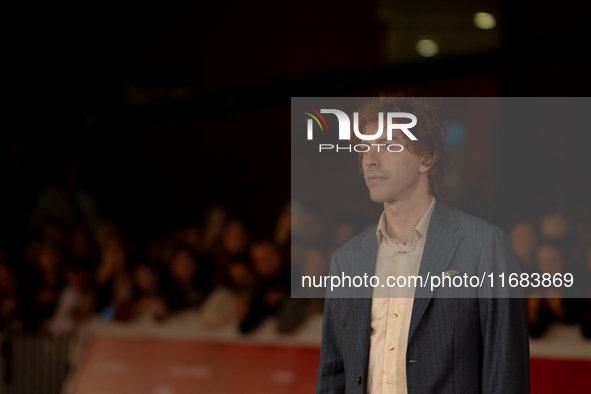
421,227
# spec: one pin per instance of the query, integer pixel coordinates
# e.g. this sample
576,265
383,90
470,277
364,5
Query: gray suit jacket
457,345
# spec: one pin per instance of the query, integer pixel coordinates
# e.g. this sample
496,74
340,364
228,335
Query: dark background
170,107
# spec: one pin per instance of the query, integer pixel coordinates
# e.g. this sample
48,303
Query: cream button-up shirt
391,307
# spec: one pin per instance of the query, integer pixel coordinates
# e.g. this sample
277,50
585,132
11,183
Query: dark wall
171,107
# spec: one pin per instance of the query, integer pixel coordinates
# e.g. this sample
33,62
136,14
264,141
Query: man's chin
377,197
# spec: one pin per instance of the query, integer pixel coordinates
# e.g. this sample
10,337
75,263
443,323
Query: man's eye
394,147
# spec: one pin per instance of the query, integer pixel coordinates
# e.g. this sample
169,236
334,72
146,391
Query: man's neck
403,216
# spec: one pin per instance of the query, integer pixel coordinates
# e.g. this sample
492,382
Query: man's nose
371,157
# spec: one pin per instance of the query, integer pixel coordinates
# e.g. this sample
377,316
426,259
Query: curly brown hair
431,135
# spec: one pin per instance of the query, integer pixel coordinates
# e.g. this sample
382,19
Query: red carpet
119,365
560,376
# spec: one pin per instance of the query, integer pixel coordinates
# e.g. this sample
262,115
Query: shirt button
389,381
394,315
390,348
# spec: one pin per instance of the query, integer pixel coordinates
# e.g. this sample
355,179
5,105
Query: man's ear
427,162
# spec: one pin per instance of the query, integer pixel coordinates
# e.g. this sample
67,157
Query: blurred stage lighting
427,48
484,20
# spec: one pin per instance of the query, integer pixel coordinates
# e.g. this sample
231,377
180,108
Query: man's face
390,176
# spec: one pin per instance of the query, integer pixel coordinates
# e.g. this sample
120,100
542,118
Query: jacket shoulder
472,226
356,242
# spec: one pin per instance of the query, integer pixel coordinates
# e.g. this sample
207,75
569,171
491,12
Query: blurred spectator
9,300
553,225
283,227
524,240
159,251
283,233
114,284
295,311
188,279
272,284
192,237
214,225
229,300
147,302
44,282
107,230
546,305
189,236
307,226
232,246
52,231
77,299
234,239
66,203
81,243
307,231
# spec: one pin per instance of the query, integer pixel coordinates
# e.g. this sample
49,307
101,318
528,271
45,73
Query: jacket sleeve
331,372
503,322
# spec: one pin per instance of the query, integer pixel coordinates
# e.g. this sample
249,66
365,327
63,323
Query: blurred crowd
75,267
551,243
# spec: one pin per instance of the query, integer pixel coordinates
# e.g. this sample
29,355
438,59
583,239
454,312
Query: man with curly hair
388,341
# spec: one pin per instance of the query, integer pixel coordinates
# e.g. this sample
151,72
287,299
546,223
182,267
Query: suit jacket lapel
440,246
368,255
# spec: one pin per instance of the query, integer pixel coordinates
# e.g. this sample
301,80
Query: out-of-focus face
390,176
106,232
113,254
48,259
214,226
235,238
283,229
8,306
216,218
144,278
192,236
183,266
7,279
80,243
266,259
553,225
240,274
550,260
523,239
